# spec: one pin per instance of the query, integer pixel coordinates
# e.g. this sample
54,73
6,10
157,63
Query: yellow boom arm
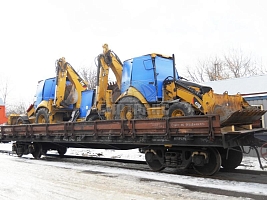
107,60
66,95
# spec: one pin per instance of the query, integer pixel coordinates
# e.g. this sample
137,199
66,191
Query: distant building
253,89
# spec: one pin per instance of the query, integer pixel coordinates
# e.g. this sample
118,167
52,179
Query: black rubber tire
42,116
181,109
131,105
22,120
93,118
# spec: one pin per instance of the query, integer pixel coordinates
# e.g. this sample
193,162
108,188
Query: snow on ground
247,163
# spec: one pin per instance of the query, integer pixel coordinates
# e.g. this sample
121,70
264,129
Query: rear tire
22,120
93,118
130,108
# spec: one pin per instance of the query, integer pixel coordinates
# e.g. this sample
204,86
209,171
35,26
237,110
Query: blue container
87,102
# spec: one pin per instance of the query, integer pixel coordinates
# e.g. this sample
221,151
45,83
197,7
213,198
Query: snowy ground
243,187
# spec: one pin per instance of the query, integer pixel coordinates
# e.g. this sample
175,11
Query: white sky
34,34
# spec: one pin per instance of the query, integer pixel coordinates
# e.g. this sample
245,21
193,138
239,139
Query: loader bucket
232,109
243,117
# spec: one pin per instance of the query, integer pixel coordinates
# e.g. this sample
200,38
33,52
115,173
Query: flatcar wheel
37,151
19,154
62,150
264,151
233,159
213,165
19,150
153,161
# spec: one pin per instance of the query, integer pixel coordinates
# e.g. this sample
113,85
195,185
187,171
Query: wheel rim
130,108
19,122
127,113
213,165
153,161
41,119
42,116
180,109
177,113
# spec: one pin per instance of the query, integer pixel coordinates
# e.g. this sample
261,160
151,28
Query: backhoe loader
58,99
150,87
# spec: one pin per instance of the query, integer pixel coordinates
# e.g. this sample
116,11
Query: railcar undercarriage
184,142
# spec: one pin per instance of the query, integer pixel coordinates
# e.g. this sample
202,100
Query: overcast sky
34,34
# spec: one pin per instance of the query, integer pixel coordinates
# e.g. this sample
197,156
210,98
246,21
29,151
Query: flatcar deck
189,131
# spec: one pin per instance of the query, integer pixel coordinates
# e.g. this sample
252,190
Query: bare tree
234,65
240,65
18,108
216,69
89,76
213,68
196,74
4,88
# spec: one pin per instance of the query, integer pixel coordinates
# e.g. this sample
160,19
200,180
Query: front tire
181,109
42,116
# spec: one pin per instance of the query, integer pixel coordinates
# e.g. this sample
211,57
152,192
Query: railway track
223,174
238,175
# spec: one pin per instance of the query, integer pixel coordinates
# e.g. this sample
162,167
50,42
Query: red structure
3,118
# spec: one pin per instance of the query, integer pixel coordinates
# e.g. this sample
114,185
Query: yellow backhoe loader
150,87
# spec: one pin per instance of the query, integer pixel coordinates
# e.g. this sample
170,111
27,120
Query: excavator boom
106,61
68,94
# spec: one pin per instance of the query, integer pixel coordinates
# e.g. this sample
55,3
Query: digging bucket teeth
242,117
232,109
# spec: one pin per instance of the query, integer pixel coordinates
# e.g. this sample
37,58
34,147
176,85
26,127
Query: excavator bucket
233,109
